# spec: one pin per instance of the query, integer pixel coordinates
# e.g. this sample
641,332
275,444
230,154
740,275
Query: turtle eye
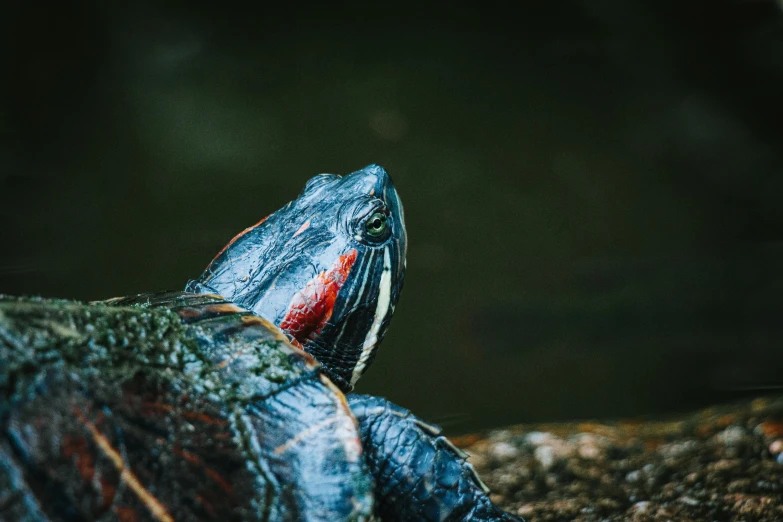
377,224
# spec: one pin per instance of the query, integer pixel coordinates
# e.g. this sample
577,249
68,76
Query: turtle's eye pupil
376,225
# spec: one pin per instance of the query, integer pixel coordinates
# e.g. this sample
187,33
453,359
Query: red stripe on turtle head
312,306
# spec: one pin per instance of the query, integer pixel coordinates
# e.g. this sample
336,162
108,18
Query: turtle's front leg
419,474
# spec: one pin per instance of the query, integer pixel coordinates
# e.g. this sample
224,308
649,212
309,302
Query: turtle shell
170,406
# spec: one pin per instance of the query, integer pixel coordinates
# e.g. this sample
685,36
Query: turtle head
327,269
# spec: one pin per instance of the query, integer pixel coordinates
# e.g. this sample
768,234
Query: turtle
232,399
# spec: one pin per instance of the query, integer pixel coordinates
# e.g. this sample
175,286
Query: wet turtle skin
168,407
209,404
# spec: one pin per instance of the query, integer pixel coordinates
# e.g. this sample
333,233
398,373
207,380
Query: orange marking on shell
190,457
222,482
188,313
341,400
108,490
206,504
211,473
304,227
126,514
353,446
311,307
155,507
217,308
203,417
224,308
306,433
251,320
235,238
190,415
85,463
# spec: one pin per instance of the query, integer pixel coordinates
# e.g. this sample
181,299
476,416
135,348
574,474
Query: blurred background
592,188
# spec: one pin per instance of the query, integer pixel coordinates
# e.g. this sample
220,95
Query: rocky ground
723,463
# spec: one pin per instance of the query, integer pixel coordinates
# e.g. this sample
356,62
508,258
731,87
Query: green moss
92,340
112,344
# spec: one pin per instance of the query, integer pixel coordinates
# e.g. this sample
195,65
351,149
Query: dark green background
592,188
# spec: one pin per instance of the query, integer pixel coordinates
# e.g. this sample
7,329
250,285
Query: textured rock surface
723,463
